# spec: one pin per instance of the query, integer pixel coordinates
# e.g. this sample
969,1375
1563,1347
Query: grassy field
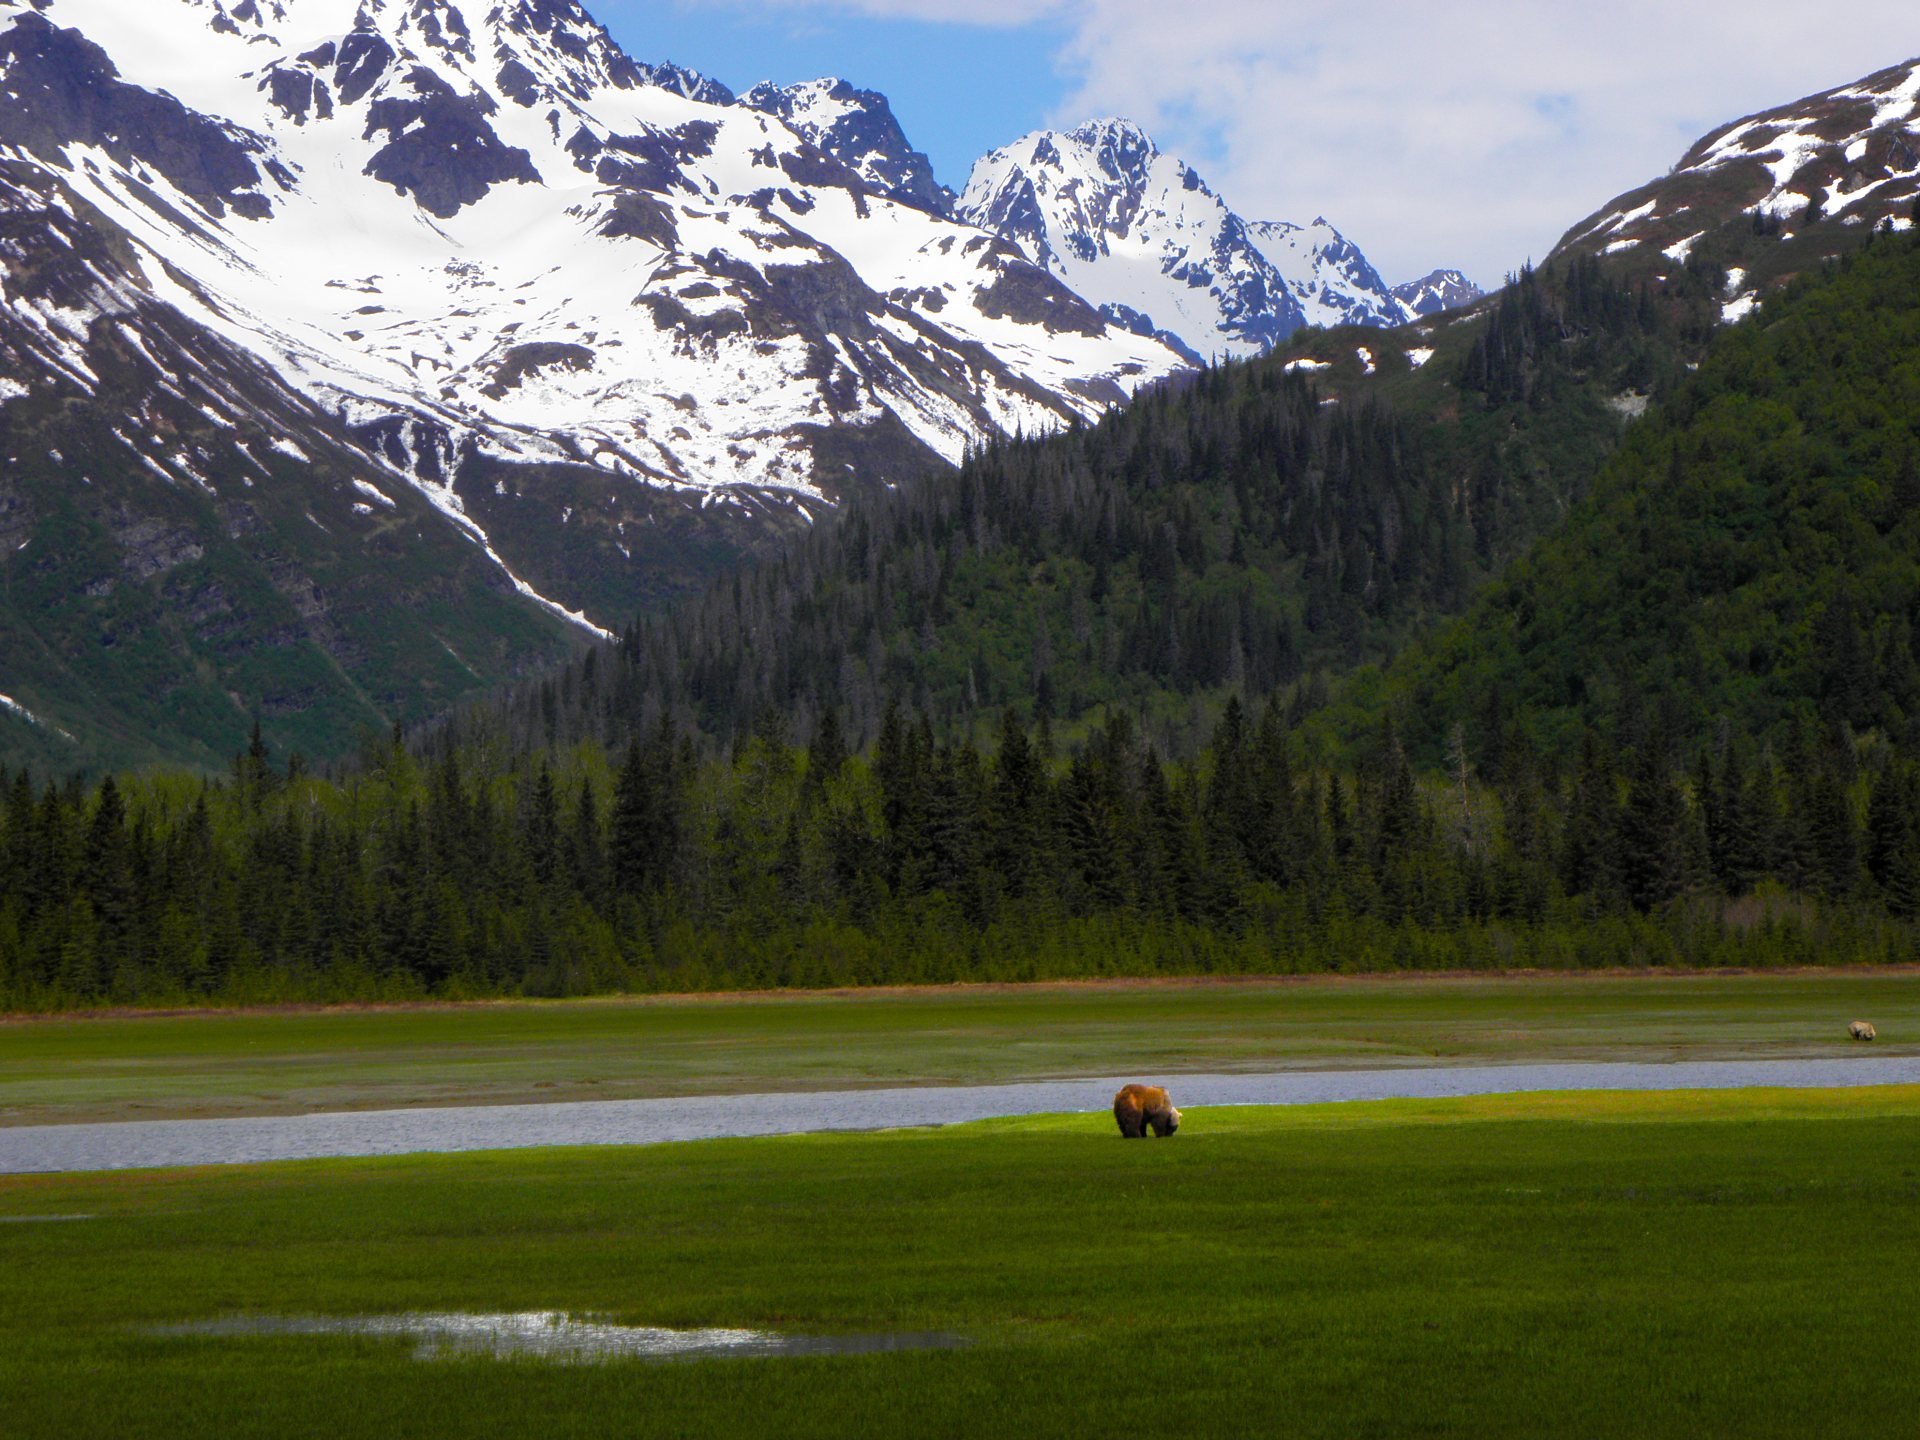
268,1063
1727,1264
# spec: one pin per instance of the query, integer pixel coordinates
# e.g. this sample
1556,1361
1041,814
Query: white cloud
1468,134
1456,134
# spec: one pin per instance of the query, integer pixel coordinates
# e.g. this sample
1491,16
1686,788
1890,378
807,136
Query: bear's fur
1861,1030
1140,1108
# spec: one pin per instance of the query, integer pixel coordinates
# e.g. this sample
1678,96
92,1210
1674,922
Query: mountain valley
365,356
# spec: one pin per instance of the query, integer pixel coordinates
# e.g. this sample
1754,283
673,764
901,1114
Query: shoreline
172,1144
1114,984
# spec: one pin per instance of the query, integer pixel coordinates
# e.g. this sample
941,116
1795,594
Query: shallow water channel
149,1143
554,1335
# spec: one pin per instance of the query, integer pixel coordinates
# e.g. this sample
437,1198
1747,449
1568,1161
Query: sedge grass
1580,1265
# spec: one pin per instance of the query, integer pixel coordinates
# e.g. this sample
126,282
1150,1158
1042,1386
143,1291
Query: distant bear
1860,1030
1139,1108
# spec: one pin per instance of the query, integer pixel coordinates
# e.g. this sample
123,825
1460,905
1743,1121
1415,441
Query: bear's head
1166,1123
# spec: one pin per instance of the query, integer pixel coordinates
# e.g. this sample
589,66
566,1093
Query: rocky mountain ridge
857,128
1091,206
1142,235
1815,174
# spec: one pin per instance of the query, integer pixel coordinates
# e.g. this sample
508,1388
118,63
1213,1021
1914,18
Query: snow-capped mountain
187,542
857,128
1143,236
1326,273
1850,156
1440,291
483,236
355,353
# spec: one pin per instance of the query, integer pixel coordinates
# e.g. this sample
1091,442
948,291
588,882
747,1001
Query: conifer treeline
475,873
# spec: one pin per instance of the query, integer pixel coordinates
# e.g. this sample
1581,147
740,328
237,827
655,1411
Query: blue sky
1432,134
959,89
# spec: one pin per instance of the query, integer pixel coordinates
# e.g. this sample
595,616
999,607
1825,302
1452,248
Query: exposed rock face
689,83
857,128
63,90
439,147
1438,292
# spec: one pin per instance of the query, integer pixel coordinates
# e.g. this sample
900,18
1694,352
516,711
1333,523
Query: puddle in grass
554,1335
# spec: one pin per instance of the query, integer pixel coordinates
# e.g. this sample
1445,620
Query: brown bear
1861,1030
1140,1108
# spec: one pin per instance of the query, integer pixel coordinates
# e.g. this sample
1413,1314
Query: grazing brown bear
1139,1108
1861,1030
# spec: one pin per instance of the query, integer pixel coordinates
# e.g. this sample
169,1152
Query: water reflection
555,1335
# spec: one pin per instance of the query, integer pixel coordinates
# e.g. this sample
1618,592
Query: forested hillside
1235,533
1748,565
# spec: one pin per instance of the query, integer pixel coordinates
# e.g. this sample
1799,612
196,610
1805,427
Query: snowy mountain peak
1075,194
1441,290
1121,149
1141,234
857,128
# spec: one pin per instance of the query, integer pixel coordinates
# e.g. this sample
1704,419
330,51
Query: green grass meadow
265,1062
1734,1264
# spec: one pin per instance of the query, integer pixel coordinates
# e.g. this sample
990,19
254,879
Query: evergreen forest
462,874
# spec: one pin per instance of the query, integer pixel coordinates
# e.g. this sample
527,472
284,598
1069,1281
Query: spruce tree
1588,852
1834,836
1397,803
542,828
633,817
827,755
1016,807
586,852
1890,822
1652,830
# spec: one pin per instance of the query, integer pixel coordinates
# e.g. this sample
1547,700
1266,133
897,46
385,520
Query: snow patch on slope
1851,154
11,706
